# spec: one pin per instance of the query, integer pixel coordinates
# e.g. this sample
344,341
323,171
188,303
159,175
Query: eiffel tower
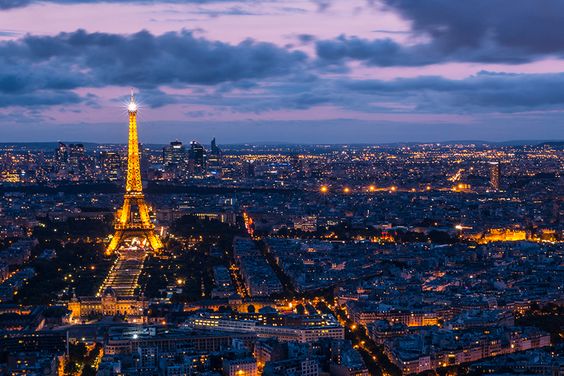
133,225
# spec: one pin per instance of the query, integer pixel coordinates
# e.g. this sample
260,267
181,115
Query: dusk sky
341,71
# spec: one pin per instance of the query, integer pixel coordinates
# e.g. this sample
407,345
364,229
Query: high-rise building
61,160
215,150
214,160
197,158
76,157
174,155
62,153
110,163
249,169
495,175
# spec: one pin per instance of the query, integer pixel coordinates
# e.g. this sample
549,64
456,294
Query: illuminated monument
133,226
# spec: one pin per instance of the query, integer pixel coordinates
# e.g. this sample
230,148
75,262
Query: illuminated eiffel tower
133,227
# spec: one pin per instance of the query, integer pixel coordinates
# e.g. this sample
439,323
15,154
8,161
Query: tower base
151,240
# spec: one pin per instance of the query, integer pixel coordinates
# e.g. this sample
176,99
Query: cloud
40,98
519,25
481,31
69,61
484,92
10,4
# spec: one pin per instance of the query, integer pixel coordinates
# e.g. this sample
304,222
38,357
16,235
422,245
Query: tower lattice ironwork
132,220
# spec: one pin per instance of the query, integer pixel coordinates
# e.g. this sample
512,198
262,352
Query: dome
109,292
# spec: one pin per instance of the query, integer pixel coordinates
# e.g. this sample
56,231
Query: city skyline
296,72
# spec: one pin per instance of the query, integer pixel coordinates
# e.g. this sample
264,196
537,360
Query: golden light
460,186
132,106
346,190
393,188
324,189
428,188
372,188
179,281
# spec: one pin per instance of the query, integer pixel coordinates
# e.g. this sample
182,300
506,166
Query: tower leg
114,243
154,241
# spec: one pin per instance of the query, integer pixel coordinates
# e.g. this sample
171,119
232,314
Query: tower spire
132,106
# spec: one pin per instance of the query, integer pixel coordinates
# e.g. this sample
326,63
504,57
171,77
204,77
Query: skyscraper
110,162
174,155
215,150
214,160
62,153
197,158
495,175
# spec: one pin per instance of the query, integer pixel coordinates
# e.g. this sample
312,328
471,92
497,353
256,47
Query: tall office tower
76,157
175,159
197,158
144,159
174,155
495,175
214,160
249,169
62,153
133,226
215,150
61,160
111,165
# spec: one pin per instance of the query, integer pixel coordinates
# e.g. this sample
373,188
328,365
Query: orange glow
393,188
346,190
372,188
500,235
324,189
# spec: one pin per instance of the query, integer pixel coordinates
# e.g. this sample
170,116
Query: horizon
278,143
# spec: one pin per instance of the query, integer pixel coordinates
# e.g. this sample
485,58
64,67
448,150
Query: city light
346,190
372,188
324,189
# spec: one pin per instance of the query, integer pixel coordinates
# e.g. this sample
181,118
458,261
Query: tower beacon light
132,106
